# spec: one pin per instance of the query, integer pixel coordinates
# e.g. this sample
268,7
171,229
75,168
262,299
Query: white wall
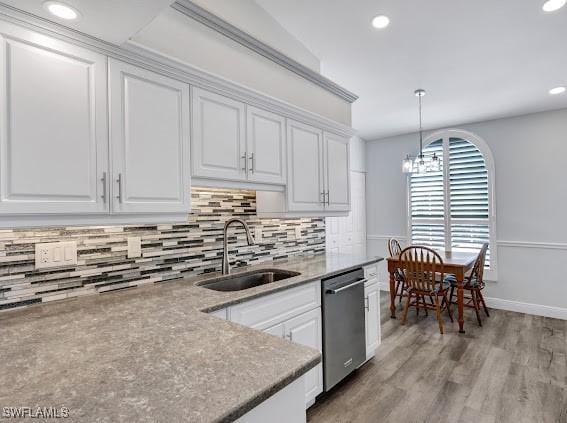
530,156
250,17
357,152
180,37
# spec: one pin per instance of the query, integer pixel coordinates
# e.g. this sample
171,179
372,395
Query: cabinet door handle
252,165
367,303
119,181
103,180
245,168
328,198
323,195
289,336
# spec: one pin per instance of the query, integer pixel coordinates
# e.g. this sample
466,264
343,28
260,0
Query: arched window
454,208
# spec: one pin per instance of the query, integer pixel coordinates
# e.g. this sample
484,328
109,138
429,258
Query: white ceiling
478,60
111,20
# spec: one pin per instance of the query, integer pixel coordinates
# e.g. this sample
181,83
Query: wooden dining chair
421,268
473,285
395,249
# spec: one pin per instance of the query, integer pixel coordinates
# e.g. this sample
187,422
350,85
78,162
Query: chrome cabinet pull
252,165
367,303
289,336
323,195
119,180
328,198
245,168
103,180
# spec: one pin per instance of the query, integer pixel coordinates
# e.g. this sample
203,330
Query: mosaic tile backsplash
169,251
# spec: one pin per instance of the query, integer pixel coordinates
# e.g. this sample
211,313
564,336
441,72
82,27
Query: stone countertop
152,353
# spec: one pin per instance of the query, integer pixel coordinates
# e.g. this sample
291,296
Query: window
453,208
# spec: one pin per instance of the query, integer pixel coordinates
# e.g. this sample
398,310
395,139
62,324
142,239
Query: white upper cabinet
265,146
337,173
149,141
305,184
53,126
218,144
235,142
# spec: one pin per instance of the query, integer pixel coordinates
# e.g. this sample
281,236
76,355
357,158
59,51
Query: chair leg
406,308
476,306
438,313
424,305
448,305
417,301
481,297
401,285
451,294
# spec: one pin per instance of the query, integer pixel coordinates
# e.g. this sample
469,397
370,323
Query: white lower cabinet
294,314
306,329
372,311
221,314
284,406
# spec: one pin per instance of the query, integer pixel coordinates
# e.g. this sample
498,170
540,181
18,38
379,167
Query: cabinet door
305,168
276,330
149,141
53,126
306,330
337,175
218,144
372,316
266,146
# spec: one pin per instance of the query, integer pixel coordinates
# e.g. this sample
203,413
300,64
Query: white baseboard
527,308
508,305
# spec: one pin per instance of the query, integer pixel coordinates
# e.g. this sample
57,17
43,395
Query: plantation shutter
450,208
427,200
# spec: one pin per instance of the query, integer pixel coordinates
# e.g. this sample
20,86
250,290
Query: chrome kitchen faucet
225,264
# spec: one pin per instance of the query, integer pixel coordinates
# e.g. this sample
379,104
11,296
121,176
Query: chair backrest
394,247
422,267
478,268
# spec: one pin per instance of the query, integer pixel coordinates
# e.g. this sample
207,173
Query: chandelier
422,163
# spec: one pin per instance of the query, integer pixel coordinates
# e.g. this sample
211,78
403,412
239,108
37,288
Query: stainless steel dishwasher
344,332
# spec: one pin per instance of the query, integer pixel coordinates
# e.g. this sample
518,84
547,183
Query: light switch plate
55,254
134,247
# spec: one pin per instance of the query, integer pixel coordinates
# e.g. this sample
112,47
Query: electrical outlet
134,247
258,234
55,254
297,232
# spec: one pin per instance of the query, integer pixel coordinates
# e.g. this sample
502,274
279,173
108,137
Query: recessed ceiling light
553,5
61,10
380,22
557,90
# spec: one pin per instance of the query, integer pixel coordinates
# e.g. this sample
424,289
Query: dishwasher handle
345,287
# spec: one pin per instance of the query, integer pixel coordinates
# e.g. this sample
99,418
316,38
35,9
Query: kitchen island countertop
153,353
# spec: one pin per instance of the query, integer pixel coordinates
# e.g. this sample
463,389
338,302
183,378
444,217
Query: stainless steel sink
247,280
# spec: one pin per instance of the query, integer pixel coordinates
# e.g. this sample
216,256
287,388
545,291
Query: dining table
457,263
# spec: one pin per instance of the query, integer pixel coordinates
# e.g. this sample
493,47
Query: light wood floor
513,369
